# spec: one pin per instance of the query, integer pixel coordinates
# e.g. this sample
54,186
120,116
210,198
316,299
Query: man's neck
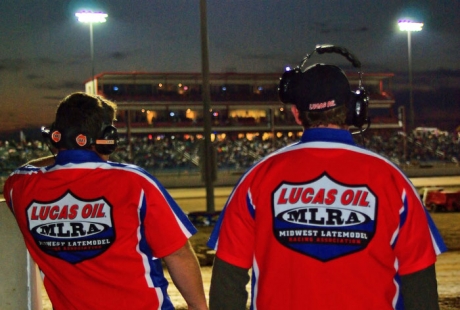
329,126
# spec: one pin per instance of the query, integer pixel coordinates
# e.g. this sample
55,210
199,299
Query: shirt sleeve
7,188
233,237
166,226
418,240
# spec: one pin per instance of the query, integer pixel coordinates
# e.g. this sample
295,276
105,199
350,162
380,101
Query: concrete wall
20,285
432,171
185,179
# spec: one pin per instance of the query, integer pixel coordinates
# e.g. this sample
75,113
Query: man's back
96,230
325,224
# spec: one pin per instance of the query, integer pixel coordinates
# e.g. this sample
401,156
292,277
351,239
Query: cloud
34,76
17,64
328,28
77,60
119,55
12,65
82,58
47,61
63,85
360,29
55,98
262,56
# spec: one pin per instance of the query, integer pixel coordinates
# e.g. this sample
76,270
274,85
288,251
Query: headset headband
332,49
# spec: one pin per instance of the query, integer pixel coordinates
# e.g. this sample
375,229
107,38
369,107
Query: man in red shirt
324,223
99,230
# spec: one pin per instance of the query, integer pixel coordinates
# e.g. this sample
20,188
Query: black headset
106,140
357,108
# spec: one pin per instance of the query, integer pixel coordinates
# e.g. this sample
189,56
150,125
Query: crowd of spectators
175,153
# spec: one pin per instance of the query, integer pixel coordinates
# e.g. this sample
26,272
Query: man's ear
295,112
104,157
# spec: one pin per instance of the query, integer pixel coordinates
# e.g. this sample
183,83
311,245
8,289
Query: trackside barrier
20,284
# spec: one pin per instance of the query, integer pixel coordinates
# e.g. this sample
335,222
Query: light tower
91,18
409,26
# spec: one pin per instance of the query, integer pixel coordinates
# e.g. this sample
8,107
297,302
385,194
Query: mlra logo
72,228
324,212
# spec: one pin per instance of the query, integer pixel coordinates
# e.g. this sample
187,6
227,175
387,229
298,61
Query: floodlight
91,17
408,25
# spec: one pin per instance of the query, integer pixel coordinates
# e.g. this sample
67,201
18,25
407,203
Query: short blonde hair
336,116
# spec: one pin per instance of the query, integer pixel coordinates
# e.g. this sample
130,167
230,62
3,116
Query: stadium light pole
410,26
207,160
90,18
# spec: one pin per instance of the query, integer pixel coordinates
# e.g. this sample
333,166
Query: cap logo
56,136
81,140
105,141
322,105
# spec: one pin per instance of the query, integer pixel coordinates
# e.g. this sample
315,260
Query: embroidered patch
71,228
323,218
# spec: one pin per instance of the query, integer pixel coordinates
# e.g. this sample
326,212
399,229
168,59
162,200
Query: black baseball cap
321,87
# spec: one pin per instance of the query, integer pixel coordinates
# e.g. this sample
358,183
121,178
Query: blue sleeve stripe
438,243
403,215
214,237
155,274
250,206
153,266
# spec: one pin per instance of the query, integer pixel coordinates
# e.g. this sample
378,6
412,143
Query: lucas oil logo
72,228
323,218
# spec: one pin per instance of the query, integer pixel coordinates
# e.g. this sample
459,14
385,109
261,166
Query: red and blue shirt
325,224
97,231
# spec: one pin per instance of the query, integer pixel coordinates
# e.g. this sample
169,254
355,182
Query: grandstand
160,121
171,103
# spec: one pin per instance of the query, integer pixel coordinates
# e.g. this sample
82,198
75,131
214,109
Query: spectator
99,230
323,223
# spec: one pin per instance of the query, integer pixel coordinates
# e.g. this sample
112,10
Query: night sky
45,51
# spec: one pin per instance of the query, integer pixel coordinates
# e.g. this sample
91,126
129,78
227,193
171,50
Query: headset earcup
287,85
55,136
107,141
358,108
